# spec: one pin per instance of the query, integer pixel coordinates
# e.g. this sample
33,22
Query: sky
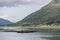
16,10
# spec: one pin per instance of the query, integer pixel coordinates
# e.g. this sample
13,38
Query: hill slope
49,13
4,22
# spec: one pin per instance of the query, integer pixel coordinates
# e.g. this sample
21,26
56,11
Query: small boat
25,31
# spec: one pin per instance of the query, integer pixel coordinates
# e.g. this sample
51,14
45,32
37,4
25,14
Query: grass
49,26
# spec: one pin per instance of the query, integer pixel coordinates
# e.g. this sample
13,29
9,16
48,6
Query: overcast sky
15,10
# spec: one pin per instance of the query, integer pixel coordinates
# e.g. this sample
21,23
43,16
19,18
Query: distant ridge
4,22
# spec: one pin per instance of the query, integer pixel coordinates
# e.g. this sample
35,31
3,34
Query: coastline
28,29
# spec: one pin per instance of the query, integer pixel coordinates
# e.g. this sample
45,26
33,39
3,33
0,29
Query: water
29,36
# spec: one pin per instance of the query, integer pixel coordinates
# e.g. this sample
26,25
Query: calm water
29,36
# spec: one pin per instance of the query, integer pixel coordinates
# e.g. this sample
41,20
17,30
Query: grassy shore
32,28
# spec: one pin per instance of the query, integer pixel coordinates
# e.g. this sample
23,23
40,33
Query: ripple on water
27,36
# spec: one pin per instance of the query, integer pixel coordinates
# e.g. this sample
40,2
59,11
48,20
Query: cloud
10,3
5,17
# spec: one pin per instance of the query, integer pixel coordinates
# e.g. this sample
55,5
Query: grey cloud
10,3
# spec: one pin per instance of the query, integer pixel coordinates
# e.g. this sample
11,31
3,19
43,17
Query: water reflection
53,36
29,36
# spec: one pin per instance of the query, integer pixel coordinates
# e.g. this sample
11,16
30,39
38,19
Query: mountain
4,22
47,14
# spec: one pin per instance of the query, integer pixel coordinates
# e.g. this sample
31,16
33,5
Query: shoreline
28,29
